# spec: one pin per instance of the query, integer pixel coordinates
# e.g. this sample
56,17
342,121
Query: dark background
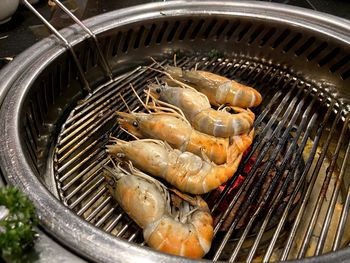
24,29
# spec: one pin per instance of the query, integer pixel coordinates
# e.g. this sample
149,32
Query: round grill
293,202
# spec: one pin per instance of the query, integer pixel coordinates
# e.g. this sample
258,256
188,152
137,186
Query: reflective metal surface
43,88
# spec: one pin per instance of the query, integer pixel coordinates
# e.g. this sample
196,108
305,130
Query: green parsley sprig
17,222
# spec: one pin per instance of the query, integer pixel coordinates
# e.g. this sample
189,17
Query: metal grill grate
302,139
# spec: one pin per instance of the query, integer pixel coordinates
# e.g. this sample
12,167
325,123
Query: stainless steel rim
58,220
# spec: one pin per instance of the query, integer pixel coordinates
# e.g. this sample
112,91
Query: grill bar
84,183
276,178
261,178
86,193
296,190
320,199
267,142
323,189
254,147
105,217
284,187
342,221
310,186
92,168
290,109
99,208
293,196
85,110
330,209
115,222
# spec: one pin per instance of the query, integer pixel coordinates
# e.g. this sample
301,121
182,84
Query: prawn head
133,122
138,194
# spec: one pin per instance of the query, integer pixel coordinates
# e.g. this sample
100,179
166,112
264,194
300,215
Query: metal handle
105,64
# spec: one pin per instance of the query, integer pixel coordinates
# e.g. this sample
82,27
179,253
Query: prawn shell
177,133
203,118
186,171
191,240
191,102
219,90
148,206
223,124
214,148
236,94
141,200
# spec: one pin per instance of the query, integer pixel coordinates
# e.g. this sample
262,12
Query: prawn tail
258,97
251,114
203,223
234,156
243,141
240,143
247,111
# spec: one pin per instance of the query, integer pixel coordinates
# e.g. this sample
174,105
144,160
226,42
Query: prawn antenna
112,161
165,107
222,107
159,142
185,216
168,74
157,80
117,140
157,63
178,82
148,92
168,111
136,109
111,172
138,97
129,133
126,105
122,168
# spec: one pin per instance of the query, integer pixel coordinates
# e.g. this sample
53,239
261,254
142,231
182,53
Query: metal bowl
40,88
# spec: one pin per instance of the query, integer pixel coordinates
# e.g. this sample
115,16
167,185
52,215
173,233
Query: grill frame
20,74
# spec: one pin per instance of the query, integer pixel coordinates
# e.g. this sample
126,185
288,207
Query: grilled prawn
197,109
187,231
218,89
187,172
180,135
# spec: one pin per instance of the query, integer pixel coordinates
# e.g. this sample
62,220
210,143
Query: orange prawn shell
196,108
210,84
128,192
223,124
177,133
176,239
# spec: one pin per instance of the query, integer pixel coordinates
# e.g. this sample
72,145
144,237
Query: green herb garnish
17,221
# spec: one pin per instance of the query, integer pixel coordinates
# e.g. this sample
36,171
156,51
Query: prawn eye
135,124
111,182
158,90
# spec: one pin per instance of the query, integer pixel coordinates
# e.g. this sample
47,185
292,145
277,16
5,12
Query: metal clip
104,62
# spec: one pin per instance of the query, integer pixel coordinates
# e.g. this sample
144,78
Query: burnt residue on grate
259,214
